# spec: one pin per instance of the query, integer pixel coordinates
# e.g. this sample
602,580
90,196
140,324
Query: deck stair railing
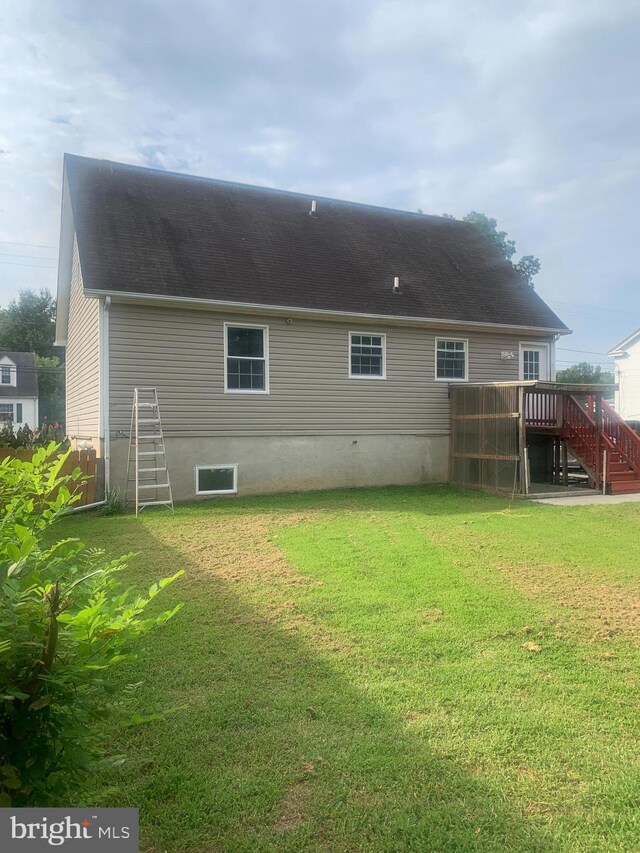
602,441
625,440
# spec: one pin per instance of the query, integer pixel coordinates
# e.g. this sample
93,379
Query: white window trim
464,341
13,409
383,375
266,389
13,372
534,345
233,491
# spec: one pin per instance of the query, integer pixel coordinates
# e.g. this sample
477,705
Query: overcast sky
526,111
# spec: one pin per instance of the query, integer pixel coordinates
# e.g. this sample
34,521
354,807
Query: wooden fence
90,490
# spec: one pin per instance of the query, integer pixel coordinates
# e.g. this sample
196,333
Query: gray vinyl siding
82,360
181,352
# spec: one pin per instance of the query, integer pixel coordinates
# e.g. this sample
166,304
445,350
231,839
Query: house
18,389
294,342
627,374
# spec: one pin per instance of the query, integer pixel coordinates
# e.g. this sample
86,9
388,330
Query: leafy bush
65,621
28,438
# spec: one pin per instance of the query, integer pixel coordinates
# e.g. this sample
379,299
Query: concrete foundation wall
287,464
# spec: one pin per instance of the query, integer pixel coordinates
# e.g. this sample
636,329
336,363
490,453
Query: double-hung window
246,358
6,412
451,359
5,378
367,356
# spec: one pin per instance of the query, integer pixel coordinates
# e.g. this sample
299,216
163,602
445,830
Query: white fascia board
319,313
626,344
65,265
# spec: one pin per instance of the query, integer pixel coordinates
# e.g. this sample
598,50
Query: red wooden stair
604,443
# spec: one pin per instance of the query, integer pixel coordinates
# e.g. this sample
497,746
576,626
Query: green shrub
65,621
25,437
113,504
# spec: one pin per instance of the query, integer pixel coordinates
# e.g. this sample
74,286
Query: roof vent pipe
312,212
396,284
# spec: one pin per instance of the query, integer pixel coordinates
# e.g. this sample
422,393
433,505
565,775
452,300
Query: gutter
251,307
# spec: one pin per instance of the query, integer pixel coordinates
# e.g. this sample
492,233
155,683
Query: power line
33,257
37,266
600,363
579,309
590,351
32,245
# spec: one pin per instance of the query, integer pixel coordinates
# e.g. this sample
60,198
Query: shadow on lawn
429,500
275,749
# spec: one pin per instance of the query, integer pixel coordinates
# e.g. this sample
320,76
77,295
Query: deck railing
626,441
541,409
590,426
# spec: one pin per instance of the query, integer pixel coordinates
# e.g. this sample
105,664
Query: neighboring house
18,389
294,342
627,374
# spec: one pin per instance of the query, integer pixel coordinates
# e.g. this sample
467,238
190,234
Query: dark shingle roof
26,376
164,234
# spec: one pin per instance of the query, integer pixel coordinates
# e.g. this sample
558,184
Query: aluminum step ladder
147,471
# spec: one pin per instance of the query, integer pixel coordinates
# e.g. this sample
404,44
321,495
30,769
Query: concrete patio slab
587,500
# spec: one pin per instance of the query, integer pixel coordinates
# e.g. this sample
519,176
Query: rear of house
295,343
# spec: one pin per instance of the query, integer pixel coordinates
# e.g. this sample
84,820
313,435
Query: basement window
216,479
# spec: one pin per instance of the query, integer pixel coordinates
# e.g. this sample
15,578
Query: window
5,379
6,412
530,364
451,359
534,361
367,356
216,479
246,352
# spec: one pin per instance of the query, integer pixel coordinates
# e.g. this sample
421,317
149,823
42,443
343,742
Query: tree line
28,324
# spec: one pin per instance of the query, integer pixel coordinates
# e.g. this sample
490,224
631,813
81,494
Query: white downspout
104,390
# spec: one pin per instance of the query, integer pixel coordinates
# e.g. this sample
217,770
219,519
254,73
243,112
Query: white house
627,358
18,389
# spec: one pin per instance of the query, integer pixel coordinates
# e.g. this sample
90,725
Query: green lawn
400,669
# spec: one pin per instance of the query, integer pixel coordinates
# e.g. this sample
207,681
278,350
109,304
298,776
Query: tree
28,324
585,374
528,266
489,228
50,389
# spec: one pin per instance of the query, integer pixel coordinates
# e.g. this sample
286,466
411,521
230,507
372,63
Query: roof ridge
267,189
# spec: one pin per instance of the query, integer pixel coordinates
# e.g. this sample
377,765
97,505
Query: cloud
528,112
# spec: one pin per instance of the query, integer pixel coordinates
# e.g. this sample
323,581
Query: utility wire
590,351
36,266
32,257
32,245
580,309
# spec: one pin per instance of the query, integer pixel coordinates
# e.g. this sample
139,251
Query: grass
400,669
